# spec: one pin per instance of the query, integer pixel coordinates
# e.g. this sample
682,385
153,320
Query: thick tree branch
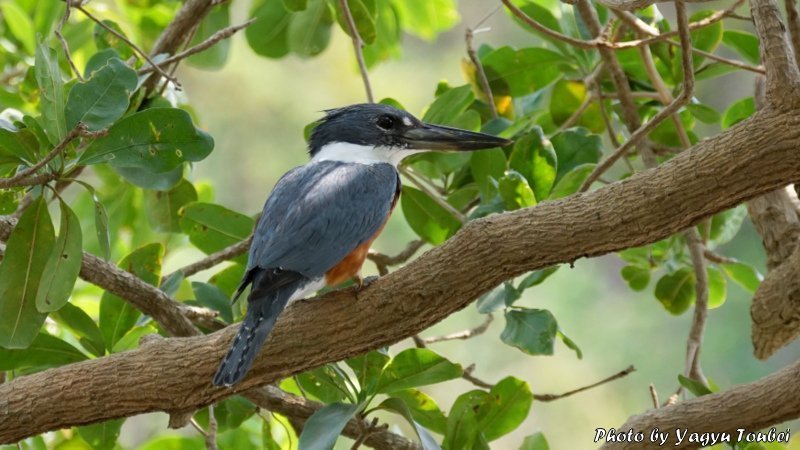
743,162
783,78
768,401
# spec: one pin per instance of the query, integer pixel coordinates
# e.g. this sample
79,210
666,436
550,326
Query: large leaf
575,147
51,86
717,288
744,275
521,72
462,421
44,351
426,18
676,290
500,297
448,106
397,406
63,265
20,145
567,97
368,368
27,251
102,99
637,277
572,181
416,367
536,441
324,426
738,111
387,39
511,400
162,207
117,316
212,227
531,330
744,43
268,35
515,191
427,218
327,383
534,157
77,321
19,24
424,409
363,17
103,435
487,166
156,139
310,30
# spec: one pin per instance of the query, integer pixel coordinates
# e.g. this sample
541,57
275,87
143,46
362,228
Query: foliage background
256,109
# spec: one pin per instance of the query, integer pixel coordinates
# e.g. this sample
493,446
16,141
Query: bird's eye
385,122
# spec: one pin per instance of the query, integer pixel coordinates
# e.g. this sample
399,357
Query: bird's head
372,133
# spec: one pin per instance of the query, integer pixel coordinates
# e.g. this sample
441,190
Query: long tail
264,306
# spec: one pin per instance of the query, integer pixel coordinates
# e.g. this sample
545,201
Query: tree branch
552,397
358,47
751,158
783,78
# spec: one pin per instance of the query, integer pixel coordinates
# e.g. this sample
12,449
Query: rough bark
174,374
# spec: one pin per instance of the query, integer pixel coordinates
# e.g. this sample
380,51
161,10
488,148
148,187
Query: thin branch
133,46
211,435
467,375
653,395
382,262
220,35
695,340
463,335
551,397
436,198
27,178
473,56
717,258
358,47
64,43
230,252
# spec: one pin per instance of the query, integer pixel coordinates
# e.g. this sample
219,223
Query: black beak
437,137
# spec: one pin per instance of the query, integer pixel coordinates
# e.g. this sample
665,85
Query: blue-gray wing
319,213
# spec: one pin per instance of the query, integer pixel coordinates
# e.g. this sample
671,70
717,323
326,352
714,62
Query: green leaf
21,145
397,406
212,227
295,5
310,30
744,43
416,367
536,441
510,403
426,217
521,72
462,421
706,38
117,316
500,297
695,387
63,265
572,181
212,297
51,99
531,330
703,113
568,97
576,147
77,321
268,35
570,344
102,99
514,191
717,288
368,369
485,166
216,56
162,207
426,18
27,250
327,383
542,15
424,409
447,107
637,277
106,40
156,139
725,226
534,157
744,275
19,24
233,411
387,39
324,426
101,227
713,70
43,352
536,277
363,17
738,111
146,179
676,291
132,338
103,435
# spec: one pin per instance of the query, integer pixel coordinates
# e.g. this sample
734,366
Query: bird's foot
362,283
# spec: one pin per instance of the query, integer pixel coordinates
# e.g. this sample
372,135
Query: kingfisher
321,218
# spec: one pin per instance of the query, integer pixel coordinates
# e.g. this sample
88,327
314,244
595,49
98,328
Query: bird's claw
363,283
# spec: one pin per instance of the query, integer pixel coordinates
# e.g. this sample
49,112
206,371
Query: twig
64,43
27,178
133,46
215,258
467,375
716,257
224,33
654,395
358,46
616,376
682,99
211,435
436,198
382,262
473,56
463,335
193,422
695,340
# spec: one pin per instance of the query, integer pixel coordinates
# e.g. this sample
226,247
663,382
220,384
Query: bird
319,221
